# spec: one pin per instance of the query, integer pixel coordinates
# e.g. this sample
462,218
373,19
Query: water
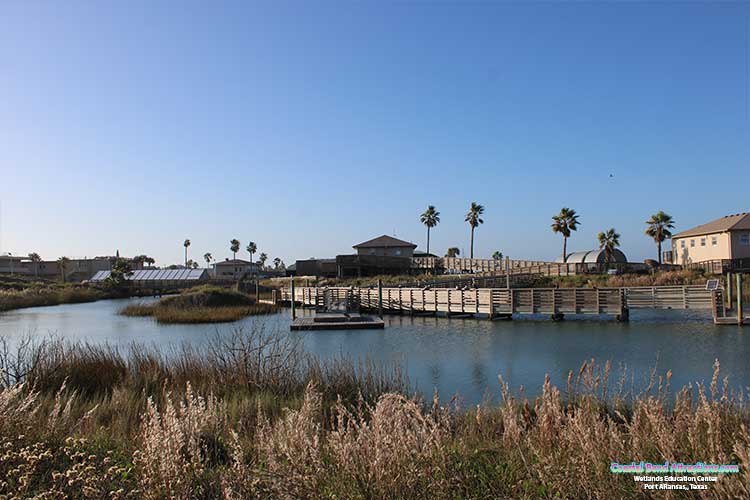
454,356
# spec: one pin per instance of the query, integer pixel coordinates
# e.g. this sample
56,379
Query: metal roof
592,257
157,275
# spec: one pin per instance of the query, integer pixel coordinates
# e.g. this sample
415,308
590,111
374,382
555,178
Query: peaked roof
727,223
385,241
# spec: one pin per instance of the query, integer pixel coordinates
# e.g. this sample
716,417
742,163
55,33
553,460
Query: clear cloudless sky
308,127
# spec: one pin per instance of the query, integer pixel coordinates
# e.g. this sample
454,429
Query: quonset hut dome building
593,257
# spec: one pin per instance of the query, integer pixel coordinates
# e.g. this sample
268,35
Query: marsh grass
204,304
45,294
252,416
168,314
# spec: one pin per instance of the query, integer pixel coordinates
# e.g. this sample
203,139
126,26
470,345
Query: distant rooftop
235,262
385,241
735,222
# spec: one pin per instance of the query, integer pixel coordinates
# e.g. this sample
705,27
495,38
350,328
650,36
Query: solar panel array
156,275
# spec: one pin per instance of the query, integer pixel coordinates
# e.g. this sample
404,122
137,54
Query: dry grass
241,423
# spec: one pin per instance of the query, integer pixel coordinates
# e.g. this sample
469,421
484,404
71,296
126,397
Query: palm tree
565,222
474,219
498,255
430,218
35,259
208,258
234,247
276,263
251,249
659,226
262,260
186,244
608,241
62,263
453,252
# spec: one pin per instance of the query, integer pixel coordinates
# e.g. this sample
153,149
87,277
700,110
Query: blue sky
308,127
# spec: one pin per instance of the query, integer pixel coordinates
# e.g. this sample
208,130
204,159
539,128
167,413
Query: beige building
232,269
725,239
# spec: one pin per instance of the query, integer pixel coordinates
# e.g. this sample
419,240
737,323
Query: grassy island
17,292
204,304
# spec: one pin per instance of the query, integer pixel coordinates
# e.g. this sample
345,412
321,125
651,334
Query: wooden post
380,298
729,290
507,272
739,298
294,311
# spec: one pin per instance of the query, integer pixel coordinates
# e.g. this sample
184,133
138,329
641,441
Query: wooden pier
496,303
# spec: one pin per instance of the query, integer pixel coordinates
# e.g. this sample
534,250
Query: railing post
294,310
380,298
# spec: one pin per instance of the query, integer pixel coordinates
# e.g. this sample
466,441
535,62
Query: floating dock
338,321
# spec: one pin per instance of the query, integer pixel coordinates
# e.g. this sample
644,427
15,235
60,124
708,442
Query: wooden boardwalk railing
503,302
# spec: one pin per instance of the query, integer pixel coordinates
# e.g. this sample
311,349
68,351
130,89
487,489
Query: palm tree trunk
659,246
471,248
186,256
428,239
565,249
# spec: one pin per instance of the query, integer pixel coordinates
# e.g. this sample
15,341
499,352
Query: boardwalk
503,303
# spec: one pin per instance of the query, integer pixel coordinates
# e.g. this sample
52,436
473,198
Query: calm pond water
461,356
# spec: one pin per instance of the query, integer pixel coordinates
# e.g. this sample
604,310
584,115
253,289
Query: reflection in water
461,356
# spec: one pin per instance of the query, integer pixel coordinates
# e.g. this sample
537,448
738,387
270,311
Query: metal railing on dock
498,302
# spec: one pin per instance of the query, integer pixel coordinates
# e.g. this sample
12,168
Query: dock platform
338,321
732,320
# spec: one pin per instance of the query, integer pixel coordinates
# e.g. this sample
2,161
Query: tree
235,247
262,260
276,263
149,260
143,259
121,269
251,249
498,255
186,244
208,258
474,219
565,222
430,218
659,226
35,259
608,241
62,263
453,252
191,264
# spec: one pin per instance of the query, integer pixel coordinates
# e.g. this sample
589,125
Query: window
692,243
398,251
714,240
682,243
372,251
703,242
745,239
